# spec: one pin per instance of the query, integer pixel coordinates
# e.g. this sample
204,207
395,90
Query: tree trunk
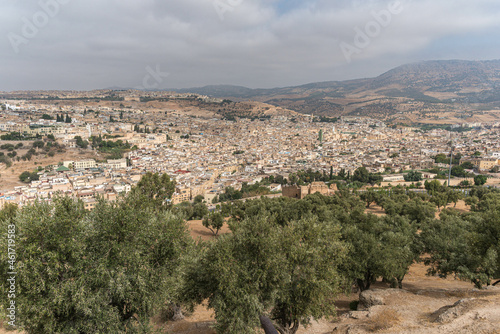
177,312
289,328
364,284
400,282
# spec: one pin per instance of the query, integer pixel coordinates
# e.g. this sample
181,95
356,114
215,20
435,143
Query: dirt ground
409,312
198,231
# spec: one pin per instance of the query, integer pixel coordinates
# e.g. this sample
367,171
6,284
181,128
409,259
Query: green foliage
115,149
152,191
413,176
480,180
433,186
467,165
15,136
27,177
441,158
369,197
467,244
464,183
291,271
106,271
38,144
81,143
47,117
230,194
458,171
4,159
200,210
247,190
198,199
214,222
381,247
363,176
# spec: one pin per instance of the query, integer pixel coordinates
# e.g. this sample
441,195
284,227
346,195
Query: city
205,155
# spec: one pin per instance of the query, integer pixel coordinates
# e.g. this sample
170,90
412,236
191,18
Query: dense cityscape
205,155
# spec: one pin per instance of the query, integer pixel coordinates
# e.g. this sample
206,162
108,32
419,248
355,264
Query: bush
413,176
480,180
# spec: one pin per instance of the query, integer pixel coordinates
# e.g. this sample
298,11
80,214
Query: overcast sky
92,44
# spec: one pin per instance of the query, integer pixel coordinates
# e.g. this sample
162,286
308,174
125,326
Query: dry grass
383,320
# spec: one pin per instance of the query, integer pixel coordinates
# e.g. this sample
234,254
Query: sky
162,44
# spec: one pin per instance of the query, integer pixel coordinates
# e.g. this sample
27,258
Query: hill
419,91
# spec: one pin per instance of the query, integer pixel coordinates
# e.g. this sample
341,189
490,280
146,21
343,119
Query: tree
413,176
38,144
121,114
342,174
152,191
458,171
25,177
433,186
455,196
81,143
480,180
289,271
214,222
441,199
369,197
68,119
467,165
380,247
47,117
105,271
441,158
361,175
200,210
464,183
472,253
198,199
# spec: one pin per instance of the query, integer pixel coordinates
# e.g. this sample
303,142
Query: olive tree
289,272
466,245
105,271
380,247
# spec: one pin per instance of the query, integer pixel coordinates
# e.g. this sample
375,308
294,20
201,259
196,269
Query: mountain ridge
433,86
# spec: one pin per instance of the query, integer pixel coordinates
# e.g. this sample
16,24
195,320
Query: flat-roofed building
85,164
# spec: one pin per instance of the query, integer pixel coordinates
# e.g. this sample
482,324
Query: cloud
96,44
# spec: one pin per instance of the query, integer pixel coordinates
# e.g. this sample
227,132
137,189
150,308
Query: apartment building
485,164
85,164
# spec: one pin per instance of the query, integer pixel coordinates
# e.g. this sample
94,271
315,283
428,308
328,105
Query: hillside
463,90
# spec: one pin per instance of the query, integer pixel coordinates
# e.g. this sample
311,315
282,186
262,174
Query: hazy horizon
76,45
